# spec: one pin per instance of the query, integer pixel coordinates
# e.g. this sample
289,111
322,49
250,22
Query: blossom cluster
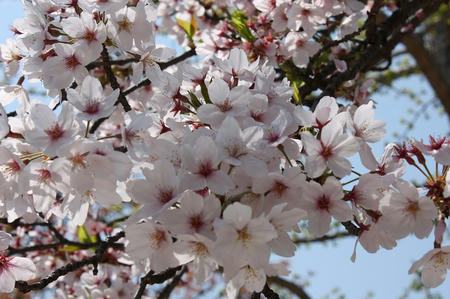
219,161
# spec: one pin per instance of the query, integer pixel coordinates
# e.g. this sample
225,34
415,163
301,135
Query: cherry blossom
201,161
92,103
158,190
322,202
146,165
243,237
89,34
60,71
435,264
13,268
50,133
406,212
148,240
331,151
5,240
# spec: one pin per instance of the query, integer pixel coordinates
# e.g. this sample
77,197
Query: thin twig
269,293
113,80
146,82
351,228
95,64
26,287
152,278
322,239
293,287
165,293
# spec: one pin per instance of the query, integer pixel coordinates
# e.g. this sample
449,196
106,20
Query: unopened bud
439,231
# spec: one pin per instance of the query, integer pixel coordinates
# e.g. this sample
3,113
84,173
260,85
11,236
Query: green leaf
205,94
193,25
194,100
239,22
297,98
71,248
84,236
189,27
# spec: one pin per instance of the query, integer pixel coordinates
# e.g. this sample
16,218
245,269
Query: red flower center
205,169
326,152
45,175
72,62
90,36
165,196
55,132
92,107
323,203
196,222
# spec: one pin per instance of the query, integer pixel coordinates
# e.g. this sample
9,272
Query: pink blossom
331,151
13,269
435,264
322,202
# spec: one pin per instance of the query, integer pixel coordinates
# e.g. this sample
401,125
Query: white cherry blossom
242,237
201,161
322,202
435,264
148,240
331,151
13,269
50,133
92,103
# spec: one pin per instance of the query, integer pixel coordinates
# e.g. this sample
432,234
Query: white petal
22,268
237,214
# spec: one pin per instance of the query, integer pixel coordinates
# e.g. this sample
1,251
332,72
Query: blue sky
384,273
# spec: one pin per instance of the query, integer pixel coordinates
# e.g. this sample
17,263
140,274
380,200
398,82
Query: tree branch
163,66
428,66
62,241
323,238
151,278
269,293
25,287
95,64
146,82
113,80
351,228
370,51
182,57
165,293
292,287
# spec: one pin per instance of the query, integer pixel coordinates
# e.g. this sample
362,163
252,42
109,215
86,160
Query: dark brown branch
95,64
377,51
40,247
62,241
25,287
143,83
163,66
391,75
323,238
182,57
292,287
269,293
113,80
370,51
256,295
351,228
165,293
152,278
146,82
428,65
